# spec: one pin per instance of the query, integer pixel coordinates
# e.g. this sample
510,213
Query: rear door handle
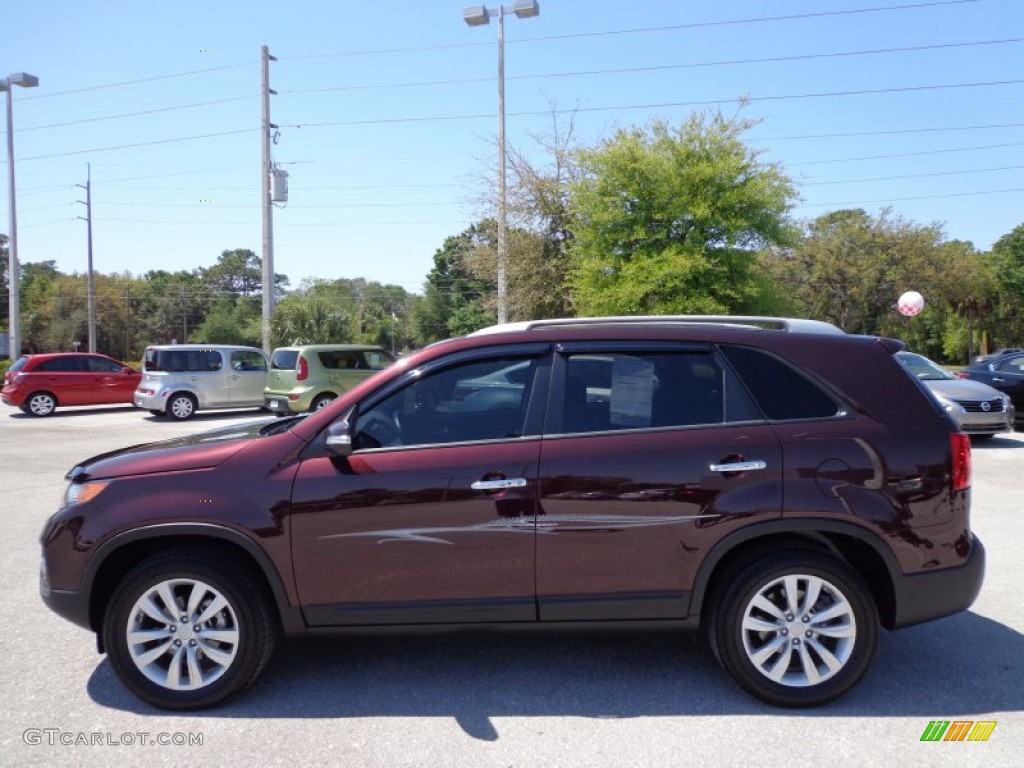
499,485
739,466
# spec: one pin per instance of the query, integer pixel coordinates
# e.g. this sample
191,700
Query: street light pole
477,15
25,80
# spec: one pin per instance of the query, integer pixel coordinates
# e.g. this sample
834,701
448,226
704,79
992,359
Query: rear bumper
281,404
922,597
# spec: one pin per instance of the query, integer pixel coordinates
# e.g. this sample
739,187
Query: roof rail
789,324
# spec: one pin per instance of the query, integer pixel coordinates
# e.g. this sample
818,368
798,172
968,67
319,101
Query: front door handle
499,485
739,466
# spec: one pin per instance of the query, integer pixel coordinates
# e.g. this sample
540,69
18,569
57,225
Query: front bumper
931,595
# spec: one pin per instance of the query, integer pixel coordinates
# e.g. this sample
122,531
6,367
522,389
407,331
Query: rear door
651,453
68,377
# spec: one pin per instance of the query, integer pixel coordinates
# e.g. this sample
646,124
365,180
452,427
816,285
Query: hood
963,389
200,451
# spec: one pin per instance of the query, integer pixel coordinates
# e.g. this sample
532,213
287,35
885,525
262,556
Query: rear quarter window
782,392
284,359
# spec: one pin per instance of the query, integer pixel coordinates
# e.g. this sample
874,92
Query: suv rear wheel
185,632
795,629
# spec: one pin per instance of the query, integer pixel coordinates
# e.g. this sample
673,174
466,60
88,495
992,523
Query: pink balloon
910,303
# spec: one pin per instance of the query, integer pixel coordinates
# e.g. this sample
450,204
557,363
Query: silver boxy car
180,379
980,410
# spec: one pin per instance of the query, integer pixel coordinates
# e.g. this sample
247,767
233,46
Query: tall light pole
474,16
25,80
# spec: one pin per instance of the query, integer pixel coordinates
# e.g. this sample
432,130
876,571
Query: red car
39,383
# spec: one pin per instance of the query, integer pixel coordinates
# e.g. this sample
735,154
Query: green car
306,378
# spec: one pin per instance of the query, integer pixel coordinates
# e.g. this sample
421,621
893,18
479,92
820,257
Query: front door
431,518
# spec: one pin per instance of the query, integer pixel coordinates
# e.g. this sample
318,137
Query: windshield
923,368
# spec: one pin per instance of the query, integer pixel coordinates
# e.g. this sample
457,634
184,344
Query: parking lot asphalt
494,699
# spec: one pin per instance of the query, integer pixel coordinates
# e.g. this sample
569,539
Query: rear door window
643,390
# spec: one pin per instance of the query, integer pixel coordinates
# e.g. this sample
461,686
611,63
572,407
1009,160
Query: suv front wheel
185,632
795,629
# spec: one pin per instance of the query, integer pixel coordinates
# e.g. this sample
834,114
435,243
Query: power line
906,154
889,132
139,144
661,105
914,176
134,82
138,114
915,197
657,68
635,30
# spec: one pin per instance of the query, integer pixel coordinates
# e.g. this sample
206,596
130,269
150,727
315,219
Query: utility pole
267,205
90,279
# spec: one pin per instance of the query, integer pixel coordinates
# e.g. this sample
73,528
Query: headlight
80,493
949,405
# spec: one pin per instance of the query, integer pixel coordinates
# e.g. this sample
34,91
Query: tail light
961,461
303,369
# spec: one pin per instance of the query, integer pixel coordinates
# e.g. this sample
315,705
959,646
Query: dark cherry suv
780,485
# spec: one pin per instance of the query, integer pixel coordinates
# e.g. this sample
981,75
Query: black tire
321,401
783,640
246,616
40,404
981,438
157,413
181,406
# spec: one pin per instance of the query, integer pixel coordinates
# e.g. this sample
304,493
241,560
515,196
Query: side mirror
339,436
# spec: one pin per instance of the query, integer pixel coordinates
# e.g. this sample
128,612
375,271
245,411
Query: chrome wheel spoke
195,673
219,635
195,597
792,584
174,670
146,658
754,624
767,651
763,603
834,664
777,671
148,607
211,610
139,636
840,608
844,630
217,655
170,604
811,596
809,667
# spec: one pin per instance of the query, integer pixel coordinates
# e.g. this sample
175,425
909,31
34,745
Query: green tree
1007,261
454,296
670,219
309,320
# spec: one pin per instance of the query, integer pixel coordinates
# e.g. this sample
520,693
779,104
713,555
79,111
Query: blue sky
931,121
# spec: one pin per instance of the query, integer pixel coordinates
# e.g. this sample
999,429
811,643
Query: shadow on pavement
961,665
